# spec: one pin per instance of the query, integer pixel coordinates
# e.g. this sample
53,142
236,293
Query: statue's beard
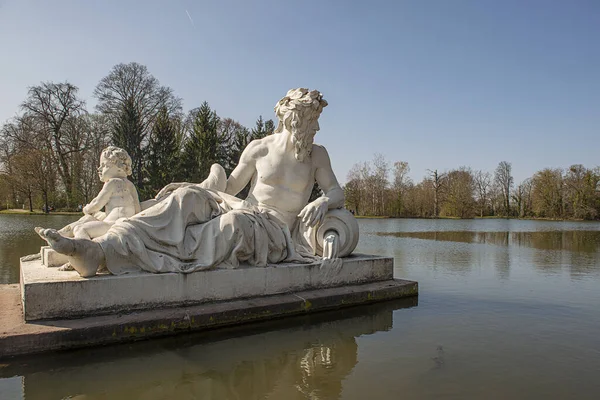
302,145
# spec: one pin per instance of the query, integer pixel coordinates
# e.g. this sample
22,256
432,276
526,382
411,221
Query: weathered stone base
51,258
49,293
18,337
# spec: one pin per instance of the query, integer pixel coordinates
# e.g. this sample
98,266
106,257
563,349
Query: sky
439,84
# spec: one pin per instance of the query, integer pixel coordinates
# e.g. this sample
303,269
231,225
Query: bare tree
522,198
27,160
401,183
354,189
6,165
50,110
483,181
527,205
131,98
419,199
459,189
380,180
97,139
368,188
438,181
547,193
580,192
504,180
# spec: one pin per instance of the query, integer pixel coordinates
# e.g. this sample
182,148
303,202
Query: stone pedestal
18,337
53,310
51,258
49,294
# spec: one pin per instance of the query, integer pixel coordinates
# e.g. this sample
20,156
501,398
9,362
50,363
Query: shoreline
40,212
487,217
16,211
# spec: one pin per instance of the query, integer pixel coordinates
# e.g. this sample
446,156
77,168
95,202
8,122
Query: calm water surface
507,310
18,239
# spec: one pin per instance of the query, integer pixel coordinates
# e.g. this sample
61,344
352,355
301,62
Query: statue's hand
86,210
314,212
170,188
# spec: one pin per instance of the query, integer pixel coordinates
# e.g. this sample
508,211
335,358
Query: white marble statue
118,197
194,227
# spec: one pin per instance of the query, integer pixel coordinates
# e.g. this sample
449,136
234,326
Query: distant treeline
50,151
378,188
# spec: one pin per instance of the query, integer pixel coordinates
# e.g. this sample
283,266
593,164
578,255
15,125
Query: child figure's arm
101,200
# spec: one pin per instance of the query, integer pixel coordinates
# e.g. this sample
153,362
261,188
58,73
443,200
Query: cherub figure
118,197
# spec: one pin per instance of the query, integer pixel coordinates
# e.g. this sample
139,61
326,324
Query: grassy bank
18,211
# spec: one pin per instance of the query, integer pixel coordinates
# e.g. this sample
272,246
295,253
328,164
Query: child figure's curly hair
119,157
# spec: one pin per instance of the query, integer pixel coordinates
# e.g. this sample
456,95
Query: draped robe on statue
195,229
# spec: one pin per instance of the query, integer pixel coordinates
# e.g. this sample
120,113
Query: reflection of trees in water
575,250
502,261
456,261
305,357
583,265
496,238
579,251
576,241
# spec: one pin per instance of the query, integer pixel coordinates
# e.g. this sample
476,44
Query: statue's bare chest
284,170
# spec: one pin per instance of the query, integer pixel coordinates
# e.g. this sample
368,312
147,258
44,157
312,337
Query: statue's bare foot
83,254
66,267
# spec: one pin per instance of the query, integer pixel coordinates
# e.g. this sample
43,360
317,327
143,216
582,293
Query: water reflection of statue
305,358
199,226
323,368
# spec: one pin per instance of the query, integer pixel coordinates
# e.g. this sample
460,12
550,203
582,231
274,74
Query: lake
507,309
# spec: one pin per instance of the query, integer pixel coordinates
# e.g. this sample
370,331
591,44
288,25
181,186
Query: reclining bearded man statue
194,227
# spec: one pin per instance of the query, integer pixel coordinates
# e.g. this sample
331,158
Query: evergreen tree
201,147
234,138
269,127
163,152
127,134
259,131
240,140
